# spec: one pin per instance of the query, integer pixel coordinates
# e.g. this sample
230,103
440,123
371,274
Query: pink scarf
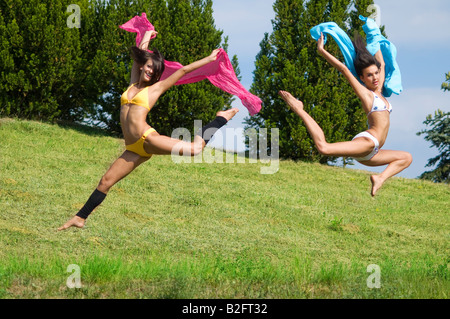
220,72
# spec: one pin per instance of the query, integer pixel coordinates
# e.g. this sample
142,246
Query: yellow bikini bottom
138,147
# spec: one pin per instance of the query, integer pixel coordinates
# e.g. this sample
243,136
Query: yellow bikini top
140,99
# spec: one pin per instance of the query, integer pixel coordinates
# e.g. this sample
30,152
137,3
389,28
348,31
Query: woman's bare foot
228,114
377,182
294,104
75,222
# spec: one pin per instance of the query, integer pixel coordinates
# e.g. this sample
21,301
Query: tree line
438,134
53,69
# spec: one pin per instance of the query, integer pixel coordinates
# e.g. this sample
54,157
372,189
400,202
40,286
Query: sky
419,30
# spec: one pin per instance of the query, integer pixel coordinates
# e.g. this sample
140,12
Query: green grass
209,230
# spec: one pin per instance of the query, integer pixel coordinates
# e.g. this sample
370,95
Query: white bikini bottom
375,151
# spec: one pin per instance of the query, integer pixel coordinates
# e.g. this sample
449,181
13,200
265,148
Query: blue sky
419,29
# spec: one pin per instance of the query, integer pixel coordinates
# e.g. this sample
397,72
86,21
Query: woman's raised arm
361,91
163,86
135,72
380,58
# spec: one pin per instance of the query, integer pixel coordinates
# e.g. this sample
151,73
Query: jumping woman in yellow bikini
365,147
142,141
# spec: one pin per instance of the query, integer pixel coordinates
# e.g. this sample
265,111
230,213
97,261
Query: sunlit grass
209,230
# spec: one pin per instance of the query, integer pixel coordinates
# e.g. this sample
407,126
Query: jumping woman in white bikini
365,147
141,140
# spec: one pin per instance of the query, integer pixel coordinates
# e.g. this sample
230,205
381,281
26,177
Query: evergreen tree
289,61
446,84
40,57
439,136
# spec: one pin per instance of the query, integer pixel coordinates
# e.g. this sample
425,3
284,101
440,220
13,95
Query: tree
446,84
40,58
288,60
439,136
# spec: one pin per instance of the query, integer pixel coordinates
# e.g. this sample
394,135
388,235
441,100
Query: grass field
209,230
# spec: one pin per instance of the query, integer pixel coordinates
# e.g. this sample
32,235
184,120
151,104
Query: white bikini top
379,105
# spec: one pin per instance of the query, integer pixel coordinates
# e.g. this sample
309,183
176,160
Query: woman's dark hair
363,57
142,56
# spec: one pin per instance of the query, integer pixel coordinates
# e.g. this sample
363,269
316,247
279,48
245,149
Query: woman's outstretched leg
123,166
164,145
359,147
397,161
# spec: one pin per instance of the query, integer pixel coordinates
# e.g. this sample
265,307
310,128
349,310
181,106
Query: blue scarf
375,42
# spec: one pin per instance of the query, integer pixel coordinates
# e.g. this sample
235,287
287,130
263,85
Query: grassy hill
209,230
